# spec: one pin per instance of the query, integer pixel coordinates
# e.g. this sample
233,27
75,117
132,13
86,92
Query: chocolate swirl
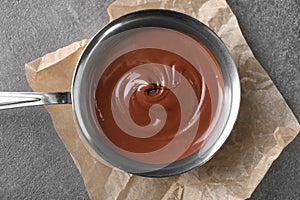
147,97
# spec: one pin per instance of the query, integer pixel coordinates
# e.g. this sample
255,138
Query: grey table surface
34,163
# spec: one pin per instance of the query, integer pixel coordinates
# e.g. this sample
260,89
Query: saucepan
162,34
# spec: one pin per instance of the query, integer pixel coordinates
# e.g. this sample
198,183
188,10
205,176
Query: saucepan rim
158,18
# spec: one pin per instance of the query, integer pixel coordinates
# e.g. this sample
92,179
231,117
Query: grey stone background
34,163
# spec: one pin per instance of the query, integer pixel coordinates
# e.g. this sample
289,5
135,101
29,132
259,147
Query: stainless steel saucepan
82,93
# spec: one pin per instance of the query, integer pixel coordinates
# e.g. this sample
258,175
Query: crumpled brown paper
261,131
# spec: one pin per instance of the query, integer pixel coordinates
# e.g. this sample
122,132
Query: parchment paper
264,127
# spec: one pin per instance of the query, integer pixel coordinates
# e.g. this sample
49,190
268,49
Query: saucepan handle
22,99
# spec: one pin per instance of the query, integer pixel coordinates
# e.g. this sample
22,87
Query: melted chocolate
164,96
